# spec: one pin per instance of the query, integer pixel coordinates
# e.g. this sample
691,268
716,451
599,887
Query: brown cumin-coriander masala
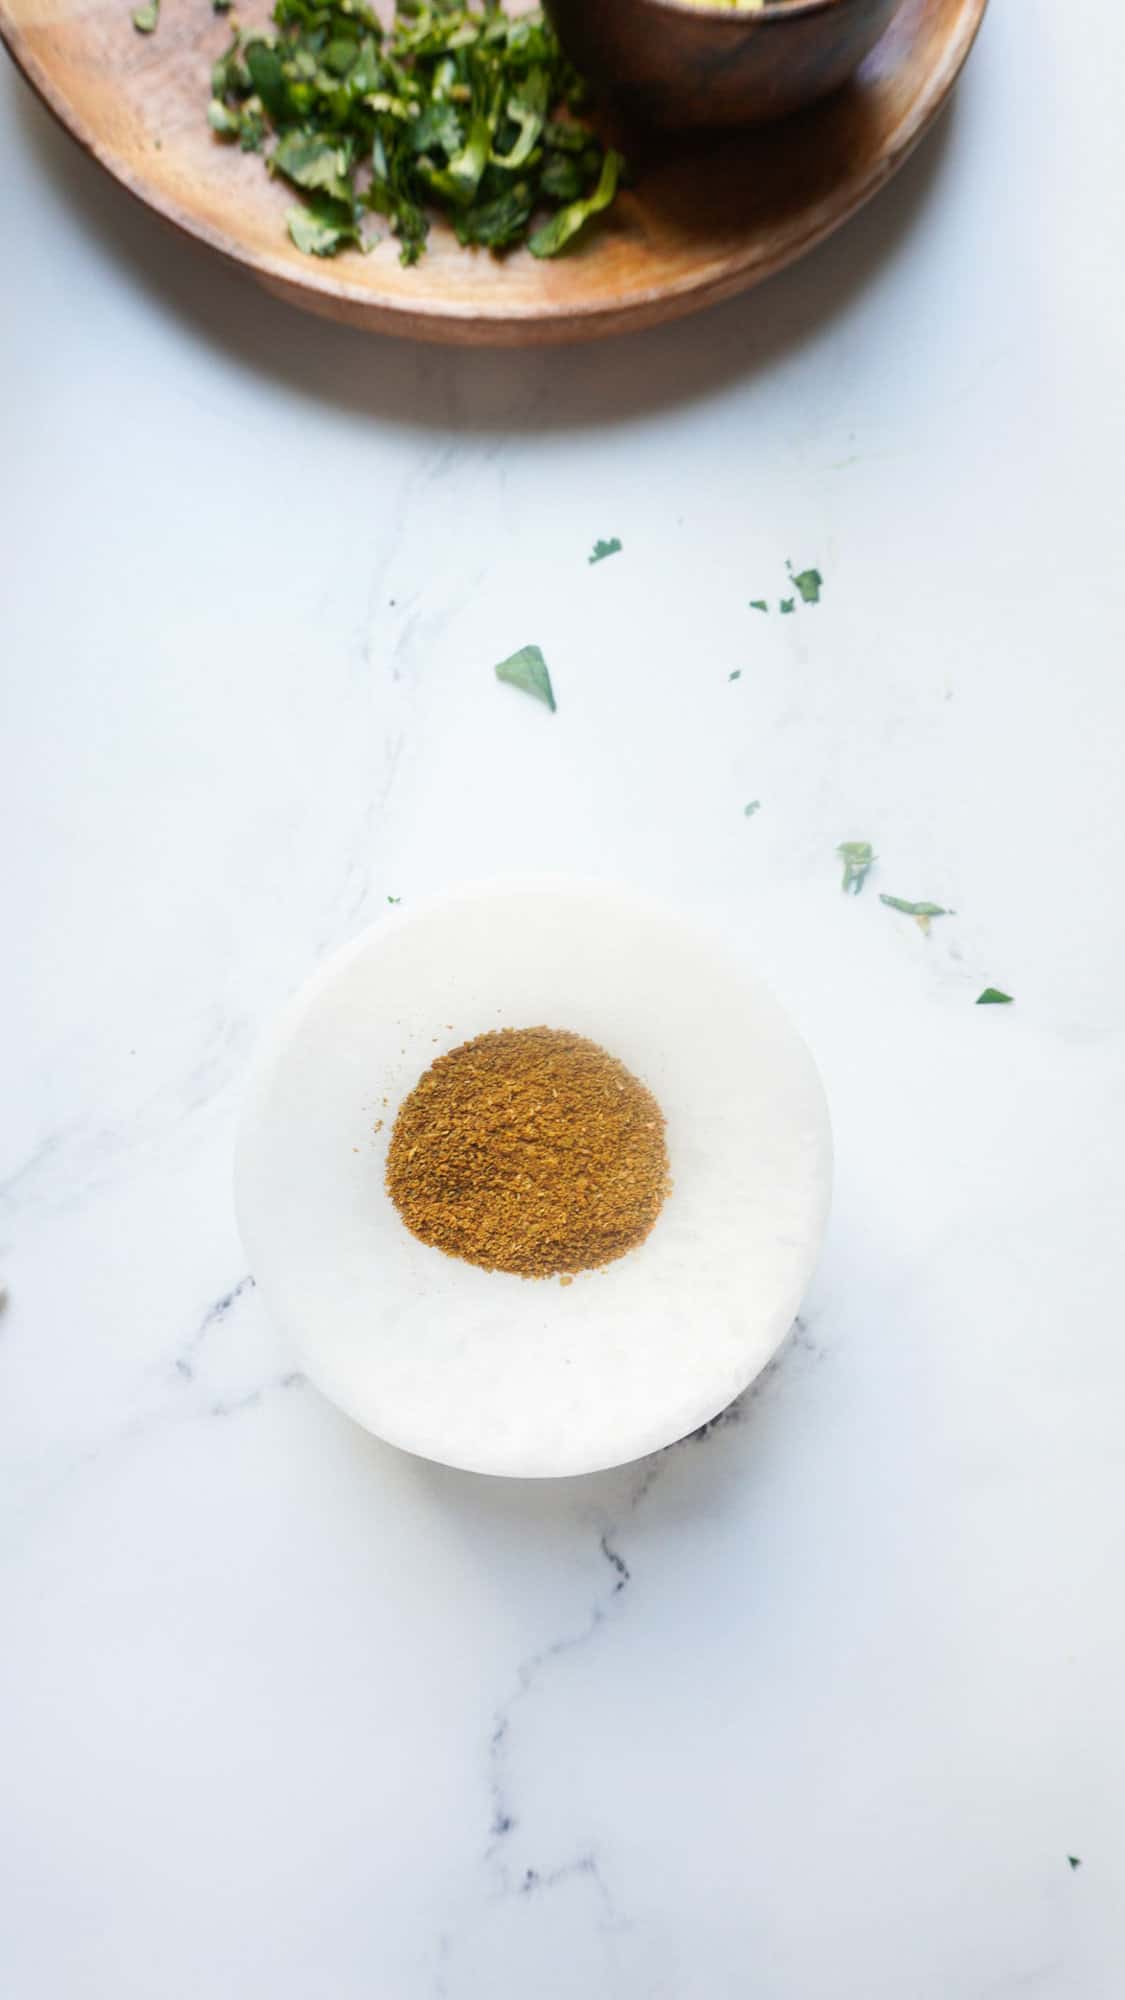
529,1150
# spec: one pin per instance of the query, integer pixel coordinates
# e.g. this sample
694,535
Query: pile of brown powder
529,1150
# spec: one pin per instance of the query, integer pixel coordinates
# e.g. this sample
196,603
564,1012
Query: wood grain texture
707,218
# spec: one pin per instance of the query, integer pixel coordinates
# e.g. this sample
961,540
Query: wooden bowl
669,63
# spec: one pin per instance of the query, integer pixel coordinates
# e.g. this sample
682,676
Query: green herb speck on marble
736,675
528,671
993,997
603,549
857,857
786,605
752,808
758,604
922,913
808,582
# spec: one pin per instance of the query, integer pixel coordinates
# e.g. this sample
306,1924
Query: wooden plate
707,218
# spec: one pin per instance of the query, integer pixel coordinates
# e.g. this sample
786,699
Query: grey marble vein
78,1158
530,1877
213,1317
156,1407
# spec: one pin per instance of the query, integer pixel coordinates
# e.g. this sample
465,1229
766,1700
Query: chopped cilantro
808,582
321,165
321,228
394,899
736,675
752,808
527,670
993,997
857,857
554,235
1075,1860
603,549
758,604
228,124
914,909
921,912
467,110
786,605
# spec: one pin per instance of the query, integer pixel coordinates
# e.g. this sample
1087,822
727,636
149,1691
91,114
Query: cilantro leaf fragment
921,912
752,808
758,604
227,123
603,549
993,997
857,857
786,605
527,670
1075,1860
311,162
808,582
565,175
268,80
321,226
736,675
554,235
497,224
914,909
394,899
458,181
527,108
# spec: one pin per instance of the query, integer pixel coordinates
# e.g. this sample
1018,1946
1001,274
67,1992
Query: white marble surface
814,1708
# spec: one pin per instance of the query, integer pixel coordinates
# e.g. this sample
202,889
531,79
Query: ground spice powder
529,1150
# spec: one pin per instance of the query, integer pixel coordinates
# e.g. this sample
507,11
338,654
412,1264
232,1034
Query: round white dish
480,1369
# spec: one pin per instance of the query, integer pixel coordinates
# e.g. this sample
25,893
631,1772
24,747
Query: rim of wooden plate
323,291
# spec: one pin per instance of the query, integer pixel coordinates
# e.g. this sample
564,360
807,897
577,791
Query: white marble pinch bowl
480,1369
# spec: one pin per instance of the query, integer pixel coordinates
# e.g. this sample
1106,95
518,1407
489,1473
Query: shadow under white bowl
480,1369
